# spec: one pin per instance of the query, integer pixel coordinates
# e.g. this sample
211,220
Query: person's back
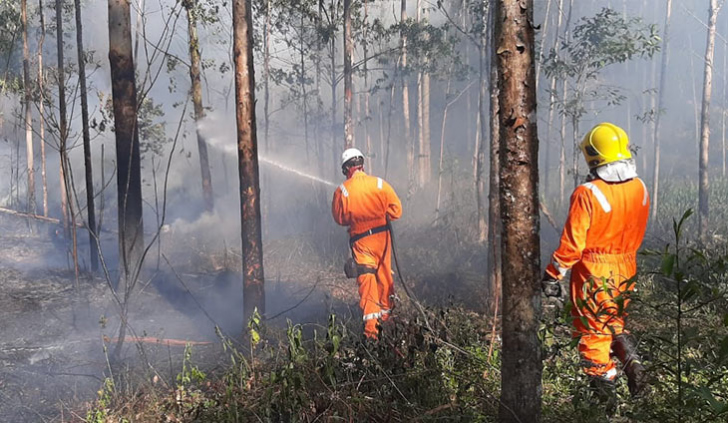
365,204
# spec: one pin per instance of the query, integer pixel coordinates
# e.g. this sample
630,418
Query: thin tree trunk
521,358
405,93
423,119
494,241
90,208
440,168
194,47
304,92
367,110
544,31
348,81
252,248
660,106
28,115
124,96
725,102
564,94
575,155
319,103
552,99
695,91
266,77
334,102
483,129
703,208
63,136
41,108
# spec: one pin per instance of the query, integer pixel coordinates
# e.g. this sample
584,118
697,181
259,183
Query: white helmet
349,154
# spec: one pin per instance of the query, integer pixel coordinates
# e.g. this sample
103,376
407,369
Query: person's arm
394,205
573,238
340,206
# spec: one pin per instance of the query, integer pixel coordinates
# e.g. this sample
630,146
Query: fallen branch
29,216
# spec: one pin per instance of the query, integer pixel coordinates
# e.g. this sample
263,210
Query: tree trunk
564,94
544,32
266,77
660,105
348,82
194,45
334,102
124,95
552,99
725,102
483,129
252,247
367,110
41,109
304,92
705,122
575,155
521,358
90,208
28,115
405,93
63,136
494,256
423,120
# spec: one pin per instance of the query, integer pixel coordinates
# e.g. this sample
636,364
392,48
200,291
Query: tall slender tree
196,89
405,89
90,208
660,107
521,363
253,277
348,79
494,250
28,89
41,108
703,187
124,96
483,120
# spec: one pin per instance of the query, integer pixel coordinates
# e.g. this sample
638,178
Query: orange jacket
605,219
363,202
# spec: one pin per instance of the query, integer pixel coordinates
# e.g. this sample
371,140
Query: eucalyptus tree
596,43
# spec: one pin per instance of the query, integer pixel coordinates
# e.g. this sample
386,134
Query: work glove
550,286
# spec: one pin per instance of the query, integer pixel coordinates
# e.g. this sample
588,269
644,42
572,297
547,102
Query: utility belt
352,269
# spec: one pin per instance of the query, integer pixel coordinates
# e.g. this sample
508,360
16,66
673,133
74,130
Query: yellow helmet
605,143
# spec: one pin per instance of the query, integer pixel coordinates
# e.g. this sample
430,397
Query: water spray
232,150
295,171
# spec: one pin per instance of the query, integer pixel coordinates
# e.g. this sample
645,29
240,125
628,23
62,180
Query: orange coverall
363,202
604,229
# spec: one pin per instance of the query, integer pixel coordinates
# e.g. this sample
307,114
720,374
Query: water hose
401,279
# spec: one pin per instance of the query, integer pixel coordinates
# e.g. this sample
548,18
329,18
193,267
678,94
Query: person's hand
550,286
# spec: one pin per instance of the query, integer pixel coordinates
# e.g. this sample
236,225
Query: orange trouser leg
598,311
369,303
386,286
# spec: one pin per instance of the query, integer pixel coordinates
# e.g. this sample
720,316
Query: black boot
624,349
605,392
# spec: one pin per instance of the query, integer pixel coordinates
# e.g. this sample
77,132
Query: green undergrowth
444,366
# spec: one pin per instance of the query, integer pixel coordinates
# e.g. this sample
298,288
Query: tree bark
41,109
348,82
124,96
28,115
705,122
194,46
494,250
266,77
660,105
90,208
252,246
521,358
405,93
480,182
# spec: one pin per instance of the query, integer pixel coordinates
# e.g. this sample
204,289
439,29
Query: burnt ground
55,334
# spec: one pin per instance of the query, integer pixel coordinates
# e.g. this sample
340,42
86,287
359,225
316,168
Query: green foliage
596,43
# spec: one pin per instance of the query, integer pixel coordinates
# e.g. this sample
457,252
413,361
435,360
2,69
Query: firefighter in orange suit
365,204
605,227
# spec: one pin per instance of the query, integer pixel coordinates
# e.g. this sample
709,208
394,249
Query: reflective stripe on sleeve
647,195
562,270
599,196
344,192
380,183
